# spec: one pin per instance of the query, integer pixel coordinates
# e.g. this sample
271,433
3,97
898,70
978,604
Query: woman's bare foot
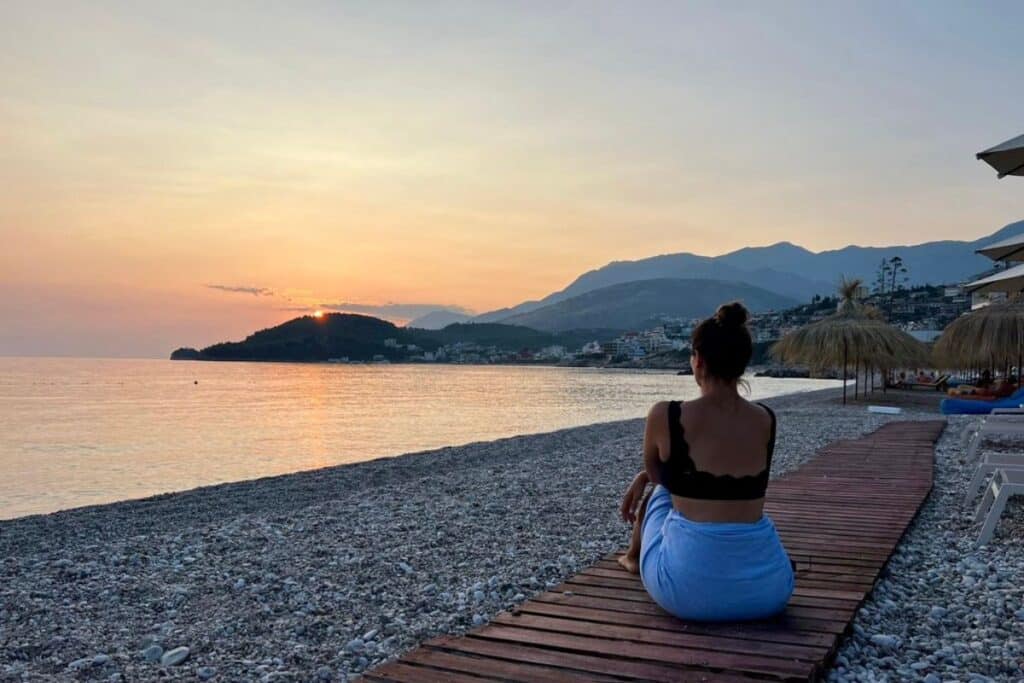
630,564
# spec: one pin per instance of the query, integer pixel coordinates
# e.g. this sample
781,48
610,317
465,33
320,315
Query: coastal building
554,352
653,341
626,346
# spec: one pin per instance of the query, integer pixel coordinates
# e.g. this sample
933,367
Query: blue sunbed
963,406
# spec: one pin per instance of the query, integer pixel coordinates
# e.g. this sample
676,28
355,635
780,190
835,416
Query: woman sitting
701,543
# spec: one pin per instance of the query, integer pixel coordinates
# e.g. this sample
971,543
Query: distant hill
784,268
634,305
670,266
361,337
435,320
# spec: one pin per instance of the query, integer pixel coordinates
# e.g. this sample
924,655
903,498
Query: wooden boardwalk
840,516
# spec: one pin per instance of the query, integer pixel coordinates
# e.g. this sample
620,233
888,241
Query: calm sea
83,431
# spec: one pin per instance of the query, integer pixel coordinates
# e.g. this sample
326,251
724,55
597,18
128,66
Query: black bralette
681,477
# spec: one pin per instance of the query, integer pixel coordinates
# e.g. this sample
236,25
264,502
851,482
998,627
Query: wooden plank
653,652
839,516
667,622
400,672
502,669
599,664
694,641
787,620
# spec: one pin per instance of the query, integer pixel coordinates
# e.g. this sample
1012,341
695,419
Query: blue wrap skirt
712,571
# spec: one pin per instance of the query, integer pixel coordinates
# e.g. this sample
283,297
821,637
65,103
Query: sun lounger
999,426
938,383
989,463
963,406
1005,483
998,415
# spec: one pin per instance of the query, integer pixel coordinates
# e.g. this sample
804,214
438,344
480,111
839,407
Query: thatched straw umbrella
855,333
989,337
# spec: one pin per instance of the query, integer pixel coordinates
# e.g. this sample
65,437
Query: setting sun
318,314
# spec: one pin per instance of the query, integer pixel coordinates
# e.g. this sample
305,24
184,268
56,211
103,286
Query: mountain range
783,269
637,304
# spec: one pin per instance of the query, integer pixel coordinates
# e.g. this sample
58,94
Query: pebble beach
319,575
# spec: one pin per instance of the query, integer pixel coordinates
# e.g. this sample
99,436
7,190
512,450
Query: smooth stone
478,620
153,653
175,656
885,641
206,672
355,645
100,660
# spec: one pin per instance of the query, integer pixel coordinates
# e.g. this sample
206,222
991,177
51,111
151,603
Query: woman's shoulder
659,411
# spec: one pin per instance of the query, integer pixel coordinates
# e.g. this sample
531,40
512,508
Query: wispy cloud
242,289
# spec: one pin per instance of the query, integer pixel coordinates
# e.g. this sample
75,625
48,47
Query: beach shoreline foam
319,574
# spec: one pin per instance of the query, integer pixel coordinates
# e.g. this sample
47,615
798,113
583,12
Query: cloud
241,289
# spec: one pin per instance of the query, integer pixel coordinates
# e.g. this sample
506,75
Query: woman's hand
634,494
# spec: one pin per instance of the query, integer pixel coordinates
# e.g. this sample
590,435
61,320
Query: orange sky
472,156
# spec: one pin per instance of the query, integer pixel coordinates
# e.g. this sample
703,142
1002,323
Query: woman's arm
657,425
651,472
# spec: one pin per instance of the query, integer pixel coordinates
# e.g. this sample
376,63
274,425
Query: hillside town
921,311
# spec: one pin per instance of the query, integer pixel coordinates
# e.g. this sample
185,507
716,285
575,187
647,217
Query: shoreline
317,575
437,452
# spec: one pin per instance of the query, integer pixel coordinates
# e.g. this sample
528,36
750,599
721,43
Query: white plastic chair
1005,483
988,464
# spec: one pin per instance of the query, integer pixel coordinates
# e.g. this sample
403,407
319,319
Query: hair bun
732,314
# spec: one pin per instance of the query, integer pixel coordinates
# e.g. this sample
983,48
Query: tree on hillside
892,276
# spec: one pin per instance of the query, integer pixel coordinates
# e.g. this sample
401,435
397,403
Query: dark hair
723,342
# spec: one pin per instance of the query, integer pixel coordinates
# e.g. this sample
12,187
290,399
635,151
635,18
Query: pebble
80,664
153,653
885,641
175,656
206,672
